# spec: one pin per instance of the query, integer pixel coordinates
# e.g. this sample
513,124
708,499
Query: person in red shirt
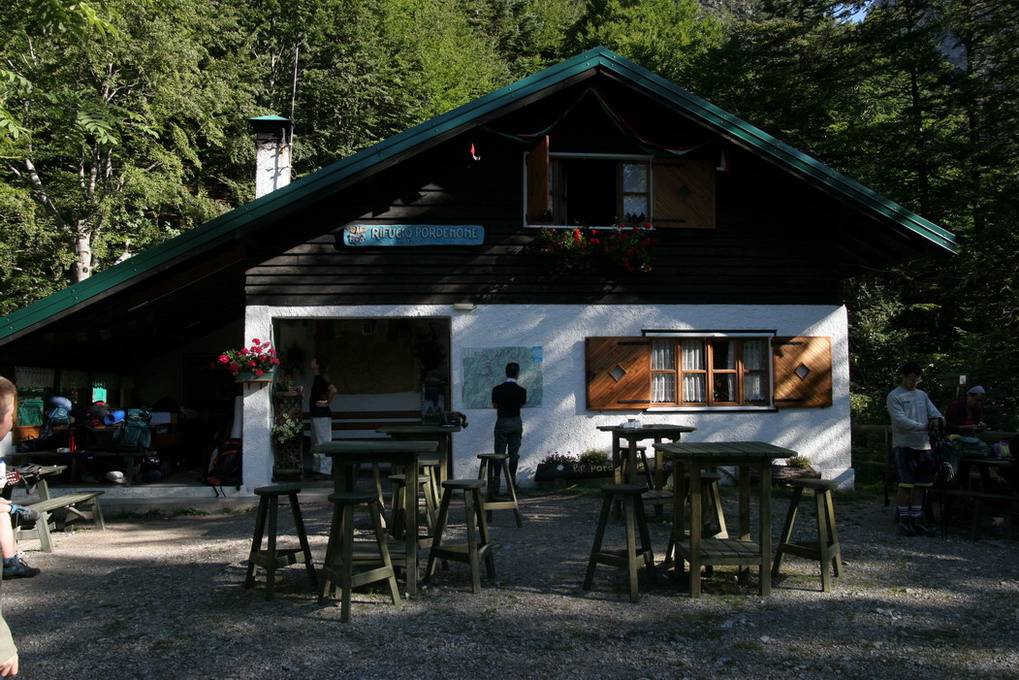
966,416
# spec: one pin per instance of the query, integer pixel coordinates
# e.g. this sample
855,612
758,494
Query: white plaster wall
561,423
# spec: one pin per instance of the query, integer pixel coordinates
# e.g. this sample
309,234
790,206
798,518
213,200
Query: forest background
124,123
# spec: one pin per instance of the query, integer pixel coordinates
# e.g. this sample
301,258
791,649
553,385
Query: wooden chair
635,523
825,549
346,566
272,558
478,546
494,466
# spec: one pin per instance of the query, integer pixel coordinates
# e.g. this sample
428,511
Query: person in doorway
321,397
966,416
913,418
508,398
8,651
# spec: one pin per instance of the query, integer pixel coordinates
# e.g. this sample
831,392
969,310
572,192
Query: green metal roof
340,174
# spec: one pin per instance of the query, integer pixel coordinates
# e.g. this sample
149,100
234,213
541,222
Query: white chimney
273,141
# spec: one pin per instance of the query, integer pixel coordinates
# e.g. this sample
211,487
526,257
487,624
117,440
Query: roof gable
247,218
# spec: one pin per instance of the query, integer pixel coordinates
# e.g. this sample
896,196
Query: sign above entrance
413,235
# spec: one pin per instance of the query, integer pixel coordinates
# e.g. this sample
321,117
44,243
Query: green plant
286,384
557,458
594,457
287,429
800,462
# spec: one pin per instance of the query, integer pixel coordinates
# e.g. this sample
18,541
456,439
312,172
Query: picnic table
349,454
691,459
633,436
47,504
980,496
75,459
442,435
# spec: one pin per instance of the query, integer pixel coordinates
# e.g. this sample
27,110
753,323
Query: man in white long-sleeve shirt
913,415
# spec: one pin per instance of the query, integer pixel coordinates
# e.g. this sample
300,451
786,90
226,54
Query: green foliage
594,457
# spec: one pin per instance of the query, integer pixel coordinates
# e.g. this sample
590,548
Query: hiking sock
906,522
916,516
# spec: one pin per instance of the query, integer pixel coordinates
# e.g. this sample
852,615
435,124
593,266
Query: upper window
595,190
713,370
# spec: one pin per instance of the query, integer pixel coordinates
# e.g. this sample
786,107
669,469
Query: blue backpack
133,435
58,417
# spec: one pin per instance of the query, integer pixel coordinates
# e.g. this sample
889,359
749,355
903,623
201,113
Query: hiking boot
15,567
23,515
922,529
906,527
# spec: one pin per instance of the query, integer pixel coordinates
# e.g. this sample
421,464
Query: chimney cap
270,123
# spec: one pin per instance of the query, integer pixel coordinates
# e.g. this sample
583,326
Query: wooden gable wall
769,245
776,239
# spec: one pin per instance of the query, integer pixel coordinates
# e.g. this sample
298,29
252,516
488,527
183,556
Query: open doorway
384,369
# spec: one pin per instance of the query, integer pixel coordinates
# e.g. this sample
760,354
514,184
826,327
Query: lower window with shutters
709,371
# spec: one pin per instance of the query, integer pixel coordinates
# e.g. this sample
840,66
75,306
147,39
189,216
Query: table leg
410,533
765,529
696,522
744,515
617,459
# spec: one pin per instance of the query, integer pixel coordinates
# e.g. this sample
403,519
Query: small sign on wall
374,235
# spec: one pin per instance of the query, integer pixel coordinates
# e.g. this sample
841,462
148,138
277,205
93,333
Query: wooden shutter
537,181
802,372
618,373
684,194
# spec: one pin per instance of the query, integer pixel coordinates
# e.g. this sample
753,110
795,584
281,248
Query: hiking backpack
225,469
133,435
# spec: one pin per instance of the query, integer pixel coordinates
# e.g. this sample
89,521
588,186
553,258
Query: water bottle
3,471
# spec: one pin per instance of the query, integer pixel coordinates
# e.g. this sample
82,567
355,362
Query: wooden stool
714,516
478,546
271,559
341,558
826,549
494,465
635,520
399,488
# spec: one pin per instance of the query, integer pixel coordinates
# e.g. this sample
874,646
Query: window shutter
802,372
537,181
618,373
684,194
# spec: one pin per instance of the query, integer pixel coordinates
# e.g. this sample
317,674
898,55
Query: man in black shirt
508,398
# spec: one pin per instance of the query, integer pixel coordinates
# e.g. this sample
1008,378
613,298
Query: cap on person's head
976,389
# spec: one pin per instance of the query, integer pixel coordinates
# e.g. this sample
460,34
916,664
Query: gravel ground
161,597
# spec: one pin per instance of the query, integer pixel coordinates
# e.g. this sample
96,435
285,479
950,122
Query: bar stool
826,549
399,488
341,558
272,558
478,546
493,466
713,514
635,521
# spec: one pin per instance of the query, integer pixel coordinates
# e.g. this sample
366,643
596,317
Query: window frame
680,192
555,189
710,370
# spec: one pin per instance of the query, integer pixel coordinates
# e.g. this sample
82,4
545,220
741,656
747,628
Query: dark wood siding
774,243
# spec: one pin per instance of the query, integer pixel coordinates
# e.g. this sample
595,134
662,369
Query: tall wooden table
442,435
633,435
349,454
740,551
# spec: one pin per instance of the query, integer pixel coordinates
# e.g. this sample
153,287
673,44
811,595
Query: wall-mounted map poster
485,367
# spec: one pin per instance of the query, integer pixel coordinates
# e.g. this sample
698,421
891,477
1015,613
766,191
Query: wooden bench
979,500
71,502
